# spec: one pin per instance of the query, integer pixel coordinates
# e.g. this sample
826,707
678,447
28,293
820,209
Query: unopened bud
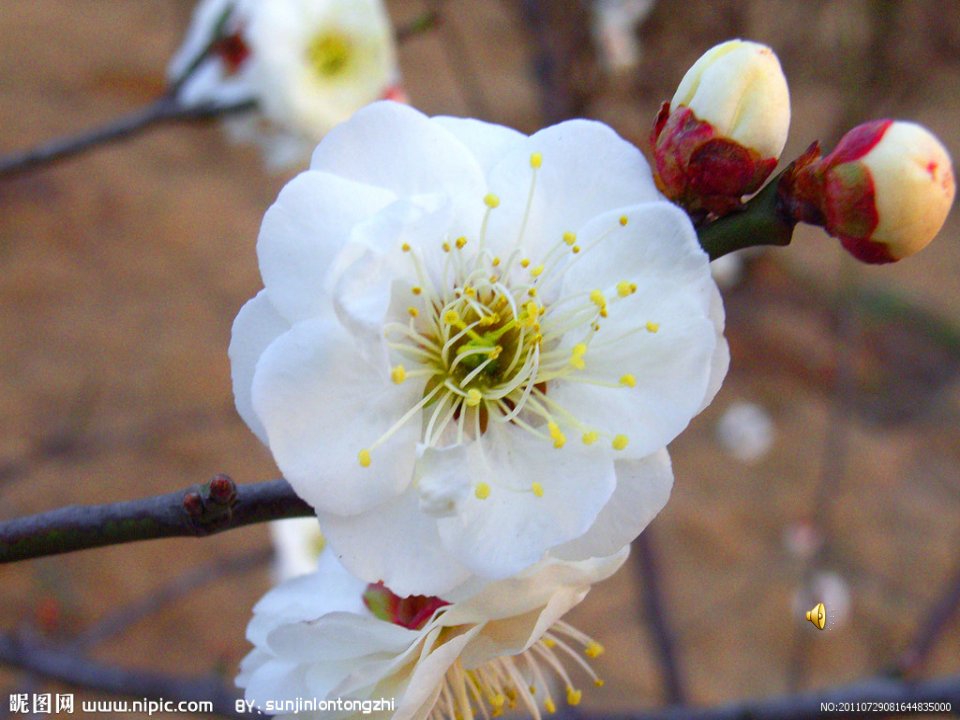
721,135
223,490
884,191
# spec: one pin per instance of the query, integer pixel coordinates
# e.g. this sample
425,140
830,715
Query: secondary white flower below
308,65
473,345
329,635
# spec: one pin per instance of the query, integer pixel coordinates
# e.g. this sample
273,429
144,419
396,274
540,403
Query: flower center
507,682
489,334
329,54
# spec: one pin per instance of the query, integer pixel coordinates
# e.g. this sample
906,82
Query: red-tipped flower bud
720,136
884,191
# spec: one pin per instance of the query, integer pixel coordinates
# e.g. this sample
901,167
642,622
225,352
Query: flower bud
887,189
720,136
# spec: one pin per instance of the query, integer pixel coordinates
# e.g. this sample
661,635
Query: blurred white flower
745,431
297,544
615,25
833,591
487,649
473,345
307,64
802,539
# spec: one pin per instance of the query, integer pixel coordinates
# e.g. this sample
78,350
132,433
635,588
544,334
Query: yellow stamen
416,289
549,705
628,380
491,200
461,241
573,696
482,491
559,439
474,397
412,311
536,160
446,247
625,288
620,442
576,356
525,263
593,649
537,489
570,238
364,457
653,327
405,247
398,374
589,438
623,221
537,271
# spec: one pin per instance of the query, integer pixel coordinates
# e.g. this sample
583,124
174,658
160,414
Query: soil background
121,272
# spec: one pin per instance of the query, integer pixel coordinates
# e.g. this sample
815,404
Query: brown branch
78,670
197,511
931,630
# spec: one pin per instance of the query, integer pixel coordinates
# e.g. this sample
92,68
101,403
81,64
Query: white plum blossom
297,544
329,635
306,64
473,346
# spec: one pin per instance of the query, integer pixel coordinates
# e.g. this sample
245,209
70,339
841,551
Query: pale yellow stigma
589,438
570,238
628,380
653,327
576,356
620,442
474,397
537,489
625,288
364,458
593,649
482,491
559,439
536,160
491,201
398,374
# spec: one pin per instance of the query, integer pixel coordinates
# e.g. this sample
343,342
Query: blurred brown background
121,272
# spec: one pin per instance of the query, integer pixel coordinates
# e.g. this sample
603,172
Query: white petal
302,234
395,543
671,359
339,636
512,528
587,170
276,680
257,325
531,589
643,488
487,141
427,678
322,404
720,362
397,148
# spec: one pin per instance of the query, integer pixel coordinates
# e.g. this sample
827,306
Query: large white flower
315,638
473,345
307,64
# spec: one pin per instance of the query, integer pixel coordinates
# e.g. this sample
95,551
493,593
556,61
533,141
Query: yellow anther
491,200
416,289
598,298
482,491
573,696
536,160
469,291
569,238
364,458
625,288
537,489
487,320
412,311
525,263
497,712
451,317
532,689
549,642
495,353
446,247
398,374
576,356
537,271
498,700
628,380
559,439
593,650
474,397
494,278
653,327
549,706
575,249
405,247
532,313
495,262
598,682
620,442
532,292
623,221
589,438
461,241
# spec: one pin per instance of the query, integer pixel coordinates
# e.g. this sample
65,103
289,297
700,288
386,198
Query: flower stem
761,221
165,109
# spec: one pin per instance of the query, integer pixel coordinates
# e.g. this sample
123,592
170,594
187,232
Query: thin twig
877,697
165,109
931,629
656,616
193,512
72,668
